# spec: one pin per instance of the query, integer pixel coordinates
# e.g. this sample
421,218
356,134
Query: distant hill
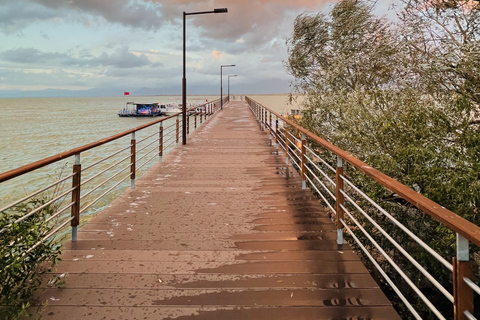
260,87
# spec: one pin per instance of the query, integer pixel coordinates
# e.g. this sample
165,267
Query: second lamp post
221,82
231,75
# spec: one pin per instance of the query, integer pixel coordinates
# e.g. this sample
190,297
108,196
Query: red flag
126,93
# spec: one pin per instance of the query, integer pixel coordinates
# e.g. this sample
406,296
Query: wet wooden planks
220,230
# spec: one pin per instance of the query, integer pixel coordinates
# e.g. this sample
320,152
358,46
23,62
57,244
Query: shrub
20,272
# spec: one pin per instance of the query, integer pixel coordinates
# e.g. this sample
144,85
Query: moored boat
134,109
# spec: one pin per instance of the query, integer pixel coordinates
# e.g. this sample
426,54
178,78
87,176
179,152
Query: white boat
169,109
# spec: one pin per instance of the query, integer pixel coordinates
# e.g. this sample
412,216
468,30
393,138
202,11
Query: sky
112,46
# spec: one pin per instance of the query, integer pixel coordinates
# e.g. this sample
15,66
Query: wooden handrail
450,219
58,157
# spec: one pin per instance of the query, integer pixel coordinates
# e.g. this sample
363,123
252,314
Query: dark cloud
31,55
254,21
121,58
16,15
142,14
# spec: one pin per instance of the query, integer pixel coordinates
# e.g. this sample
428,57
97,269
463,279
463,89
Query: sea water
36,128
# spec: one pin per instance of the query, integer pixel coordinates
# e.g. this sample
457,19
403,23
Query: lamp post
221,82
184,79
231,75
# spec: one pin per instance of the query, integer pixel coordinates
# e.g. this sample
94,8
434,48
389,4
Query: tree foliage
20,270
402,97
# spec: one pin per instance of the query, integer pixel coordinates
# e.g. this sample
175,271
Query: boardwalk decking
220,230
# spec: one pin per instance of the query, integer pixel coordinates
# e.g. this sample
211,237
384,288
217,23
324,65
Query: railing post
195,121
286,143
462,268
302,168
133,153
276,131
206,111
339,199
177,131
261,119
265,118
76,183
188,125
270,129
160,143
201,114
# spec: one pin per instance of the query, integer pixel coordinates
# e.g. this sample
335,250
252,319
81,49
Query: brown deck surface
220,230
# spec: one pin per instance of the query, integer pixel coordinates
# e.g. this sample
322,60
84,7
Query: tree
402,98
445,37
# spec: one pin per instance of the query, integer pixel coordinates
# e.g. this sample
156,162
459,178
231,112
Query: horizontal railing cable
106,158
36,193
472,285
60,211
84,182
155,149
146,146
104,182
147,137
382,272
103,194
146,162
321,171
321,183
395,266
40,208
469,315
323,161
49,235
321,195
400,248
401,226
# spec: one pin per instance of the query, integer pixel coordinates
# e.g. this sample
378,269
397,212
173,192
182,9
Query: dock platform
220,230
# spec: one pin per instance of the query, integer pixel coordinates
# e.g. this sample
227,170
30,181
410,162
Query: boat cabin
133,109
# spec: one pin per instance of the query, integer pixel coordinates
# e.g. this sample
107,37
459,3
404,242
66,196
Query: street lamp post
221,82
232,75
184,79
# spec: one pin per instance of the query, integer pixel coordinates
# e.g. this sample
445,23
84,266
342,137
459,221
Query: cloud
253,21
141,14
216,53
259,19
121,58
16,15
31,55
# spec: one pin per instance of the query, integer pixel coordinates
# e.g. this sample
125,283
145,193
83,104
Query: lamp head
220,10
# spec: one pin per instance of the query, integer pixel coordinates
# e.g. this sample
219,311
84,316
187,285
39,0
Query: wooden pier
220,230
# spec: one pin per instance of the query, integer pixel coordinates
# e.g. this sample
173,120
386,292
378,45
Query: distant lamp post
231,75
221,82
184,80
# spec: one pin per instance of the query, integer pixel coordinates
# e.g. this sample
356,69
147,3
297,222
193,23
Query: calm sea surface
35,128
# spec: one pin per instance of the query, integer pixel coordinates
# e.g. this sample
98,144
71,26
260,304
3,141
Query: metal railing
107,166
358,214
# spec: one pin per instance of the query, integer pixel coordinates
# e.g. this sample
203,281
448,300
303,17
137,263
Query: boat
169,109
134,109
